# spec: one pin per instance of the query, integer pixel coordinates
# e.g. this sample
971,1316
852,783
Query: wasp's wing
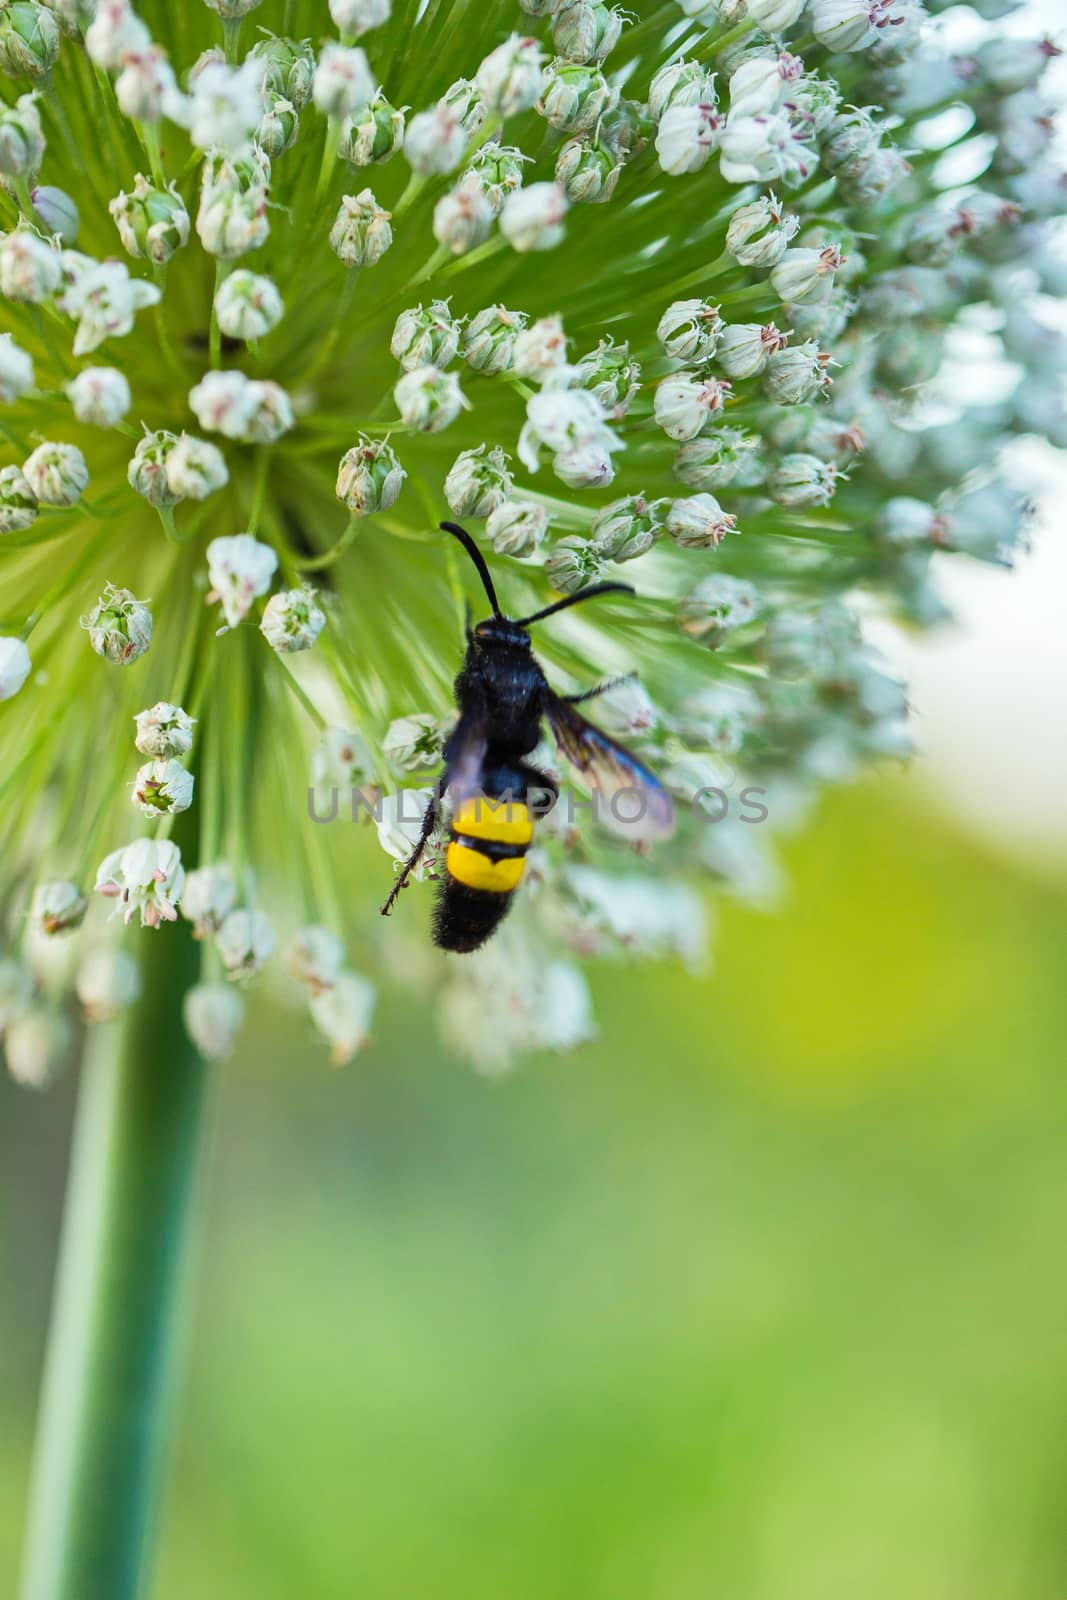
637,807
464,752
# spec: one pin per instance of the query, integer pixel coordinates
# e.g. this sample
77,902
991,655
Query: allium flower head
649,292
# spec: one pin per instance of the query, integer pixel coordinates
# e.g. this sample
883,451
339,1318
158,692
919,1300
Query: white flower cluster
768,234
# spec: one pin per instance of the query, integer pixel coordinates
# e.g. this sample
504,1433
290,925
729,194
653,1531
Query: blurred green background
760,1296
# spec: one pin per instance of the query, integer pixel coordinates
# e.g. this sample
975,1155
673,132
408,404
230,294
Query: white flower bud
802,273
586,30
774,16
478,481
413,742
429,399
104,299
745,346
540,349
108,981
21,138
194,468
427,338
585,465
29,40
14,666
699,522
369,476
16,370
18,503
759,233
213,1014
16,991
343,81
802,480
56,473
226,103
288,67
162,788
903,521
797,374
509,79
146,88
680,83
762,83
114,31
119,626
685,405
689,330
498,170
210,895
361,234
58,907
374,134
848,24
340,758
100,396
56,212
278,127
232,217
587,172
247,305
716,459
355,17
627,709
163,730
291,620
490,337
255,410
611,374
315,957
462,219
517,527
29,268
756,149
245,942
627,528
147,471
532,218
719,605
686,137
35,1046
342,1013
572,563
436,140
270,412
240,569
1013,64
147,878
575,96
561,420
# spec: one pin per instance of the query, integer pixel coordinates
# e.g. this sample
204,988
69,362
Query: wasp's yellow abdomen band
500,821
475,871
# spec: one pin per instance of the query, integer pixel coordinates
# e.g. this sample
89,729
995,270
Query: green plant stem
104,1415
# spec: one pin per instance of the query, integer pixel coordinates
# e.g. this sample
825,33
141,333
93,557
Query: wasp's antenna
476,556
573,600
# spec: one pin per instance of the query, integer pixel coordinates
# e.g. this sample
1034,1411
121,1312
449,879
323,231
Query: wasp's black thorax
502,674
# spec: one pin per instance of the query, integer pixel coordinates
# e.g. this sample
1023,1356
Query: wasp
503,697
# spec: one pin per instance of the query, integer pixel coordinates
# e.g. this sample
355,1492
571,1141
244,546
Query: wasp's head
501,632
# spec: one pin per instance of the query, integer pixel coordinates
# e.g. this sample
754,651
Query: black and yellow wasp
502,696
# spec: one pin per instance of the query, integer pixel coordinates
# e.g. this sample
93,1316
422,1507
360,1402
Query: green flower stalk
664,294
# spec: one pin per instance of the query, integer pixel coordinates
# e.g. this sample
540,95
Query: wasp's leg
429,822
601,688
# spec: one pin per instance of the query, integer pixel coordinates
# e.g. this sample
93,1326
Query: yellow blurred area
760,1296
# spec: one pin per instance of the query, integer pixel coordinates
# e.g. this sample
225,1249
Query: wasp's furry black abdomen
465,918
